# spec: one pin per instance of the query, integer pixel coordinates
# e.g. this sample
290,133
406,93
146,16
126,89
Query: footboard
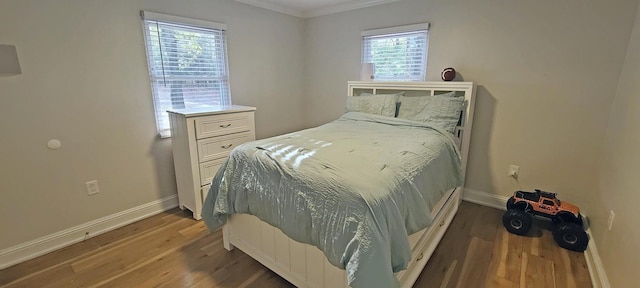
306,266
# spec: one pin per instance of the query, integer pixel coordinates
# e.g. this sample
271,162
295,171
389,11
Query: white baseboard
34,248
485,199
596,268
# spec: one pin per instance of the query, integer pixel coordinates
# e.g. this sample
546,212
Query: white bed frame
305,265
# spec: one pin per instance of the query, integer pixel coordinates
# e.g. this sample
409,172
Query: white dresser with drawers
201,140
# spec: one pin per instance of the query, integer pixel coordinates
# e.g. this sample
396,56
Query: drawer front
423,250
218,125
209,169
220,147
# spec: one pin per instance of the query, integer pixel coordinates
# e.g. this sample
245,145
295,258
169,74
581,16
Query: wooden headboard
462,134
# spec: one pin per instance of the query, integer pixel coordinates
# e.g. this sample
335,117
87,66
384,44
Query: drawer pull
225,126
442,223
226,146
420,257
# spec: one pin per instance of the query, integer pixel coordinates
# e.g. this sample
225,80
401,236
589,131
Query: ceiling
313,8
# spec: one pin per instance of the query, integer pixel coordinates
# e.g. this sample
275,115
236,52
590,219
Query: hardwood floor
173,250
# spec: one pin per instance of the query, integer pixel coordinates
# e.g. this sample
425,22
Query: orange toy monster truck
568,232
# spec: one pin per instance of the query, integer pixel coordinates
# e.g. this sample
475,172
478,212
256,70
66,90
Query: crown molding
273,7
315,12
345,7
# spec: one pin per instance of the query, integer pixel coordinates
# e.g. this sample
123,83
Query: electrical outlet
92,187
610,221
514,171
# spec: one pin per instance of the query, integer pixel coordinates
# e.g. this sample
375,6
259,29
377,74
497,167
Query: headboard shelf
462,134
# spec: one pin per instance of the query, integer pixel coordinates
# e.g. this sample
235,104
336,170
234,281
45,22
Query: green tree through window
187,66
397,56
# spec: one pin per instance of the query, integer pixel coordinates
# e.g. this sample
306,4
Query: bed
357,189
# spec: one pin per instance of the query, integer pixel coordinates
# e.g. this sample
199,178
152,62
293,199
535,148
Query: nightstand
201,140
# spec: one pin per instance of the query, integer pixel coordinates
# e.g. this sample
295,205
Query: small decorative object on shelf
367,72
569,228
448,74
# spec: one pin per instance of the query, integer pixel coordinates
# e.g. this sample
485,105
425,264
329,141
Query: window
547,202
397,53
187,61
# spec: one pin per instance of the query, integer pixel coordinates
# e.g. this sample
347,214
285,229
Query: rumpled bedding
354,188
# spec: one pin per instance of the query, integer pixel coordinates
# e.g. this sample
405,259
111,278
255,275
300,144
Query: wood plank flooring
173,250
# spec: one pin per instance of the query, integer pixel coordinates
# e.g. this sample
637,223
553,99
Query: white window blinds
187,61
398,53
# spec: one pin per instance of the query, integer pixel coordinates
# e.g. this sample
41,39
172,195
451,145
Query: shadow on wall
459,78
478,168
162,155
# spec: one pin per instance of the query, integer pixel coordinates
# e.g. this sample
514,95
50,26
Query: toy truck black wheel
571,236
511,203
516,221
565,217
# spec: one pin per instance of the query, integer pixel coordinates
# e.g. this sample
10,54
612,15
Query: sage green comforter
354,188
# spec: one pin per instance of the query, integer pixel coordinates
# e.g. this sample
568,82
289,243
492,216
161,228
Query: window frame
389,31
189,23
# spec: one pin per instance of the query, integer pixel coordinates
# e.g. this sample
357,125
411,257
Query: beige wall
547,72
85,81
619,179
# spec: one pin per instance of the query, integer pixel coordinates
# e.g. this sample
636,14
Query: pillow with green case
442,110
395,94
382,104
